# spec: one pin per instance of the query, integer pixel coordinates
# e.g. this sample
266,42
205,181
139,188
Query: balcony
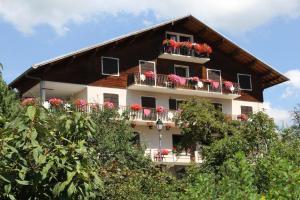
171,158
162,83
185,51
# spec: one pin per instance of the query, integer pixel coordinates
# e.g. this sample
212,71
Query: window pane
114,98
218,106
181,71
147,66
246,110
185,39
171,36
148,102
245,82
172,104
110,66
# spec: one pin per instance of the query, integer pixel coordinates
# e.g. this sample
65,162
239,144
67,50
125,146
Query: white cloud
234,16
293,86
281,116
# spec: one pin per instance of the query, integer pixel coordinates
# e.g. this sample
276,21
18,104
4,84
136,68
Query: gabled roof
269,75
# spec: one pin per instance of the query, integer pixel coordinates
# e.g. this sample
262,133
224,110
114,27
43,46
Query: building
156,69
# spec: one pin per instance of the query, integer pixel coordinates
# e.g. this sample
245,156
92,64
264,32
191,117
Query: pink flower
174,78
28,102
81,103
56,102
160,109
149,74
109,105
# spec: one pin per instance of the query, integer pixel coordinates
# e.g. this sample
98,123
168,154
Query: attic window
179,37
245,81
110,66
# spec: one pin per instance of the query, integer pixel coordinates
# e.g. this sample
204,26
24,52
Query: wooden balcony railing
162,80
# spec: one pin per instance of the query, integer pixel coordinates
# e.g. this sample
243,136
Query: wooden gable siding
86,68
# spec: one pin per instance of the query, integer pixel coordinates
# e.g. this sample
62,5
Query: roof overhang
269,75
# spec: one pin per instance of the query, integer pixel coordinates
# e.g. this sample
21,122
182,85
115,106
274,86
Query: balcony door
145,69
214,76
181,70
149,108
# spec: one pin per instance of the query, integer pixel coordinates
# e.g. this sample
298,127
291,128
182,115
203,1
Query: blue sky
32,31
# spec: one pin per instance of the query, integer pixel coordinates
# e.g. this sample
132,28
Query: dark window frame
102,66
116,105
247,107
250,83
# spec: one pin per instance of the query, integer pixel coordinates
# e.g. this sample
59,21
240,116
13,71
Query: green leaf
22,182
71,189
4,179
7,188
31,110
46,169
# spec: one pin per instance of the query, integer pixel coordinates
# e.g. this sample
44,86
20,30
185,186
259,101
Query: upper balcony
185,51
193,86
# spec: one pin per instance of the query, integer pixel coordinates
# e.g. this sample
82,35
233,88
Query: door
149,108
215,77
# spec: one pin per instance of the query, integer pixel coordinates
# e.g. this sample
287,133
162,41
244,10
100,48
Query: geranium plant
160,109
80,103
108,105
135,107
28,102
56,102
149,74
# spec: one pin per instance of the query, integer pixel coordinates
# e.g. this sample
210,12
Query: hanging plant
56,102
80,103
160,109
108,105
28,102
135,107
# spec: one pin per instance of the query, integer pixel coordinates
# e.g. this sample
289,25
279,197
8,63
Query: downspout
42,86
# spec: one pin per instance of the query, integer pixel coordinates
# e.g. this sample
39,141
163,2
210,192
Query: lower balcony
174,84
167,157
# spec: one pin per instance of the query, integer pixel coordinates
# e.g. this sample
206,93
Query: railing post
196,156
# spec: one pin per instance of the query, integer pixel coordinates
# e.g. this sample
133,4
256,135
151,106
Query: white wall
150,137
236,106
95,94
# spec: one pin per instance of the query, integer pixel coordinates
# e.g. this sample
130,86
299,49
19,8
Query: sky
33,30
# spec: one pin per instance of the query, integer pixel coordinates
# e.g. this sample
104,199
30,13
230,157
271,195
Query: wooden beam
271,79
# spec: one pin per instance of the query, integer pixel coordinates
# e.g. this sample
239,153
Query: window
218,106
148,102
147,66
136,140
114,98
110,66
174,104
245,81
179,37
149,111
177,140
215,75
246,110
181,70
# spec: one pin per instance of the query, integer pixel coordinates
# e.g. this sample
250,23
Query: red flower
170,42
28,102
149,74
81,103
207,48
56,102
109,105
165,152
160,109
135,107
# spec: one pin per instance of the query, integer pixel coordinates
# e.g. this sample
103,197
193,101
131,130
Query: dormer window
110,66
244,81
179,37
